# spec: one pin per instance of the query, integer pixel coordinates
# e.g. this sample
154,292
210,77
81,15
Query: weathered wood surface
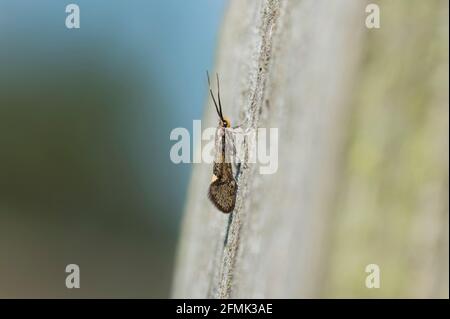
300,66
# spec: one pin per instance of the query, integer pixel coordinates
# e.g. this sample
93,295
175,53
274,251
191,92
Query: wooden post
295,66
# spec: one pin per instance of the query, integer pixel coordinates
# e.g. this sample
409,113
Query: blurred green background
392,203
85,117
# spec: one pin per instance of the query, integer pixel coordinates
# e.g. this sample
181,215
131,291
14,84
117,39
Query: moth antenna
218,95
212,95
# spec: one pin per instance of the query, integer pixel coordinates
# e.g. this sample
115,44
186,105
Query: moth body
223,188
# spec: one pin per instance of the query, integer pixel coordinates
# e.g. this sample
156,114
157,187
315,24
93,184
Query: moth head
225,122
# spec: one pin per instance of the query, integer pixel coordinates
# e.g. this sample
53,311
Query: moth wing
223,194
237,144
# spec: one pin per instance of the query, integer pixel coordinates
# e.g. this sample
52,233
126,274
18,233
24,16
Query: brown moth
223,188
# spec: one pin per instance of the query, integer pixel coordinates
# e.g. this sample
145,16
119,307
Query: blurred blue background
85,118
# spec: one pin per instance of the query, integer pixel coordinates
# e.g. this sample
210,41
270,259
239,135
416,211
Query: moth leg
238,170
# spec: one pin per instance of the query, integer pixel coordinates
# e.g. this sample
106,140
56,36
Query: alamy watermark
373,17
73,277
373,278
258,146
73,17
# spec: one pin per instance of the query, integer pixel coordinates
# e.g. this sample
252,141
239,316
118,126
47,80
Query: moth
223,188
